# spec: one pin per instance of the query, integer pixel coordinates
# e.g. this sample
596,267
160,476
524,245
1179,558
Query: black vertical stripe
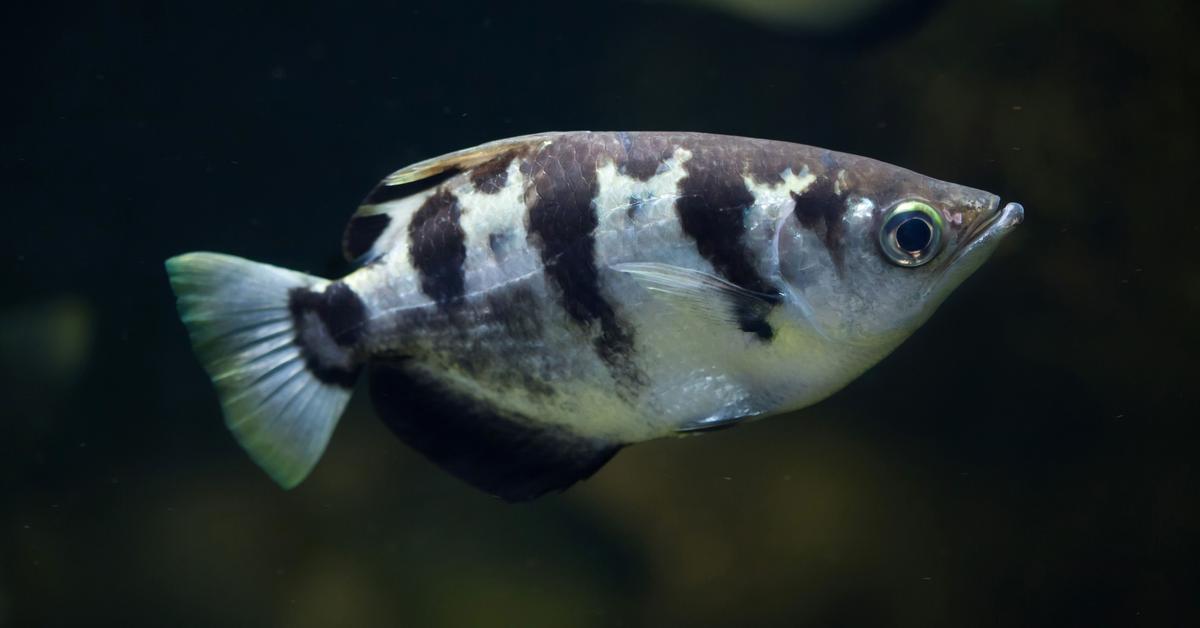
712,206
561,223
820,210
437,248
340,317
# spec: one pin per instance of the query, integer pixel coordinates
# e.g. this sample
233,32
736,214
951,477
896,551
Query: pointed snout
1012,215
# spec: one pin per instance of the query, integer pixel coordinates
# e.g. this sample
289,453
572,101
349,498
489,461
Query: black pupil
913,235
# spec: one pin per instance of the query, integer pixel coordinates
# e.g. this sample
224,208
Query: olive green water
1027,458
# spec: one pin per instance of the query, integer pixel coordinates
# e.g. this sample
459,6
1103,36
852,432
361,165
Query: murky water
1027,458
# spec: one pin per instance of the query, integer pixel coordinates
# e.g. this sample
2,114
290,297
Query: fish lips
994,227
978,245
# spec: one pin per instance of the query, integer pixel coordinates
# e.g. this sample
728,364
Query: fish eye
911,234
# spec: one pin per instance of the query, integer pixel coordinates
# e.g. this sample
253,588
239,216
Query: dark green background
1027,458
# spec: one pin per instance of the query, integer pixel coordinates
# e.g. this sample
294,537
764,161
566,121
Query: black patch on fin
361,234
511,459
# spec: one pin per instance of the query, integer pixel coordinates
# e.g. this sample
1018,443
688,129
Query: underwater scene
644,313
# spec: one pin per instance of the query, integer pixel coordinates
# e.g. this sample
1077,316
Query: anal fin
709,424
509,457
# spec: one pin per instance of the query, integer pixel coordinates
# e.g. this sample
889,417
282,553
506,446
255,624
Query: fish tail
270,340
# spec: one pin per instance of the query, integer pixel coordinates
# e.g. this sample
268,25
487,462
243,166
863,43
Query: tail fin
253,326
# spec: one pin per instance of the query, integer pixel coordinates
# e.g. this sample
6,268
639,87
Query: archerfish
526,308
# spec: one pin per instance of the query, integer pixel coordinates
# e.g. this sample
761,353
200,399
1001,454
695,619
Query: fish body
525,308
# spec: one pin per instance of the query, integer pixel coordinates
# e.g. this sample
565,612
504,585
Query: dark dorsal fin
370,221
468,157
514,459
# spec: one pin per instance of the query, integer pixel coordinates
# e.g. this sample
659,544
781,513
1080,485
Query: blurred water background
1027,458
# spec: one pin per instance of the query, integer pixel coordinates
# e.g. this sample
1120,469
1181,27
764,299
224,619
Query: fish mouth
978,243
996,223
984,221
1010,216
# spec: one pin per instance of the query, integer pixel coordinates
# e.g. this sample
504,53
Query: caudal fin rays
239,315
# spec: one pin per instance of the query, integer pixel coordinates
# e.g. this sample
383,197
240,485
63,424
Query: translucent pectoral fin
706,295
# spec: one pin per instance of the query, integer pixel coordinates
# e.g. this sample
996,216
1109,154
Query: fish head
870,250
